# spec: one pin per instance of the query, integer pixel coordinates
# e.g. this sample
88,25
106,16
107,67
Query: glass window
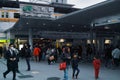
16,15
62,1
2,14
7,15
56,0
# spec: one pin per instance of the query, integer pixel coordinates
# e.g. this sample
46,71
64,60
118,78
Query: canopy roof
77,21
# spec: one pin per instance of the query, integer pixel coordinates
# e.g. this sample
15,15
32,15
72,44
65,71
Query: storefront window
107,41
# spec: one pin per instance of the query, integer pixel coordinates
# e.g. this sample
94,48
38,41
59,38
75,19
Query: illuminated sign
3,40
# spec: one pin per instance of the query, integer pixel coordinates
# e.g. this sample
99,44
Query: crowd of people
72,56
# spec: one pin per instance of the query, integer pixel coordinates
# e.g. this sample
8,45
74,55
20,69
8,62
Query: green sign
27,8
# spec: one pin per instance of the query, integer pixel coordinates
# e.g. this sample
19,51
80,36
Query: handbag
62,66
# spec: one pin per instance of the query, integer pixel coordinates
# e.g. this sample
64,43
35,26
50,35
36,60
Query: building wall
7,21
7,18
59,1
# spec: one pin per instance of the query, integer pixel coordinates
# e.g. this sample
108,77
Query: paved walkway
43,71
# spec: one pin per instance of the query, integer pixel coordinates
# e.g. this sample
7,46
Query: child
75,62
96,64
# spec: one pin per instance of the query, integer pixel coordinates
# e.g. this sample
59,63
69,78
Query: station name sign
29,10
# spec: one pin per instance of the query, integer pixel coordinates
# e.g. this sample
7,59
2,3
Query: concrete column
30,38
91,34
95,43
8,36
76,42
101,45
116,40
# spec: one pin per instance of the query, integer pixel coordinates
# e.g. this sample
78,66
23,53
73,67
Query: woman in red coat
96,64
36,53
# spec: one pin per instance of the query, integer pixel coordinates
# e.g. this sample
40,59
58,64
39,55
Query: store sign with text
28,10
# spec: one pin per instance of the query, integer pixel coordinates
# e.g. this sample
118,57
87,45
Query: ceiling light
44,24
106,27
27,23
59,25
72,25
61,40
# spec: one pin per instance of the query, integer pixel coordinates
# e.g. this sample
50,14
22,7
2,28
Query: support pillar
30,38
91,35
101,45
8,37
116,40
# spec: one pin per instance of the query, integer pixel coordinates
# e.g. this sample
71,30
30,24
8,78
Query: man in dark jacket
11,62
27,55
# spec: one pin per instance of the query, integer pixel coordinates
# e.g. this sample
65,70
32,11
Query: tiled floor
43,71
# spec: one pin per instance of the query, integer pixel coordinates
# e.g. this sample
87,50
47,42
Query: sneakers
76,77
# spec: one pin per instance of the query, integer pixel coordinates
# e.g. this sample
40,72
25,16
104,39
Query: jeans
108,63
116,62
66,74
74,70
28,63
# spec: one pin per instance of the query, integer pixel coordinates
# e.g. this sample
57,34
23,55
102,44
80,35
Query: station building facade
70,37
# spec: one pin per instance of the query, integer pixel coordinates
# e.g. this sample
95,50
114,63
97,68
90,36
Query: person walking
96,64
36,53
75,68
108,56
48,54
66,57
116,56
27,55
11,61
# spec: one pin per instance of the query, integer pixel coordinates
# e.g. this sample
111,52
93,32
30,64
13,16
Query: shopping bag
62,66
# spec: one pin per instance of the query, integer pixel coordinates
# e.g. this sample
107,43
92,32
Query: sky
84,3
80,3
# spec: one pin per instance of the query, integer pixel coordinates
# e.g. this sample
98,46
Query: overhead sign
36,11
69,35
